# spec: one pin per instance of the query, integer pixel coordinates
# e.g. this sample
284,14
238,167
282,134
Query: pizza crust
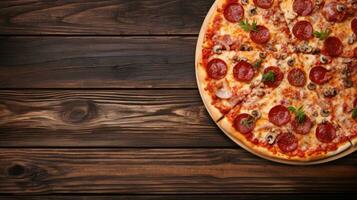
200,70
206,97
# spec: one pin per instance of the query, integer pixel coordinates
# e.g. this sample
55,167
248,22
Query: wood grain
165,171
102,17
92,62
137,126
185,197
102,118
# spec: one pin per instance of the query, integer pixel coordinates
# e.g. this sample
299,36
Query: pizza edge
202,83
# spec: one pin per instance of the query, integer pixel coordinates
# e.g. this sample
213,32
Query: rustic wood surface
183,197
98,100
115,118
102,17
97,62
170,171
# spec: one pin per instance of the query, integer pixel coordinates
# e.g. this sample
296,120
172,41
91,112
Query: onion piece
224,92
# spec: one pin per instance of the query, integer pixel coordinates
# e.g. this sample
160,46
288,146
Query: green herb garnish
246,26
258,63
322,35
247,122
270,76
354,113
300,115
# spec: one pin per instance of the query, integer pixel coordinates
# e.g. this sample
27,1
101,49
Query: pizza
279,76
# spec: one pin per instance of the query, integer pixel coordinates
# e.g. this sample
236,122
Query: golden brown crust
206,97
200,71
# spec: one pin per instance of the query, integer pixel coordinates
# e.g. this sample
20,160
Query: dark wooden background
98,99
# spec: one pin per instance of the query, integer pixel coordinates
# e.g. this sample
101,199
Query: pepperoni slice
244,123
302,128
354,25
264,3
303,30
325,132
355,52
333,13
261,35
278,76
243,71
333,46
279,115
303,7
297,77
234,12
287,142
319,75
217,69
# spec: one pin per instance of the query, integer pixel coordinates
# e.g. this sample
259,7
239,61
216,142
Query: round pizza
280,76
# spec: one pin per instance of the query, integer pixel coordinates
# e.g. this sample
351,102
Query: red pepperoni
325,132
264,3
331,13
244,123
261,35
303,30
279,115
333,46
355,52
217,69
354,25
287,142
243,71
234,12
319,75
302,128
278,76
303,7
297,77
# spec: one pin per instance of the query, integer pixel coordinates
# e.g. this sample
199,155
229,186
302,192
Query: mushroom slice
256,114
217,49
270,138
325,113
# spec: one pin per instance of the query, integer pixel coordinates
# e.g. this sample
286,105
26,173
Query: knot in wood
16,170
78,111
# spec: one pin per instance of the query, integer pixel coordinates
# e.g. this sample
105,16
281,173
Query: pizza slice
227,78
248,25
335,84
226,50
327,26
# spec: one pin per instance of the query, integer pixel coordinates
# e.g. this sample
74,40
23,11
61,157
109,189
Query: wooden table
98,99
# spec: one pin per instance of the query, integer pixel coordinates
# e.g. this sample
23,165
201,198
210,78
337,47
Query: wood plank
102,118
102,17
92,62
165,171
186,197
